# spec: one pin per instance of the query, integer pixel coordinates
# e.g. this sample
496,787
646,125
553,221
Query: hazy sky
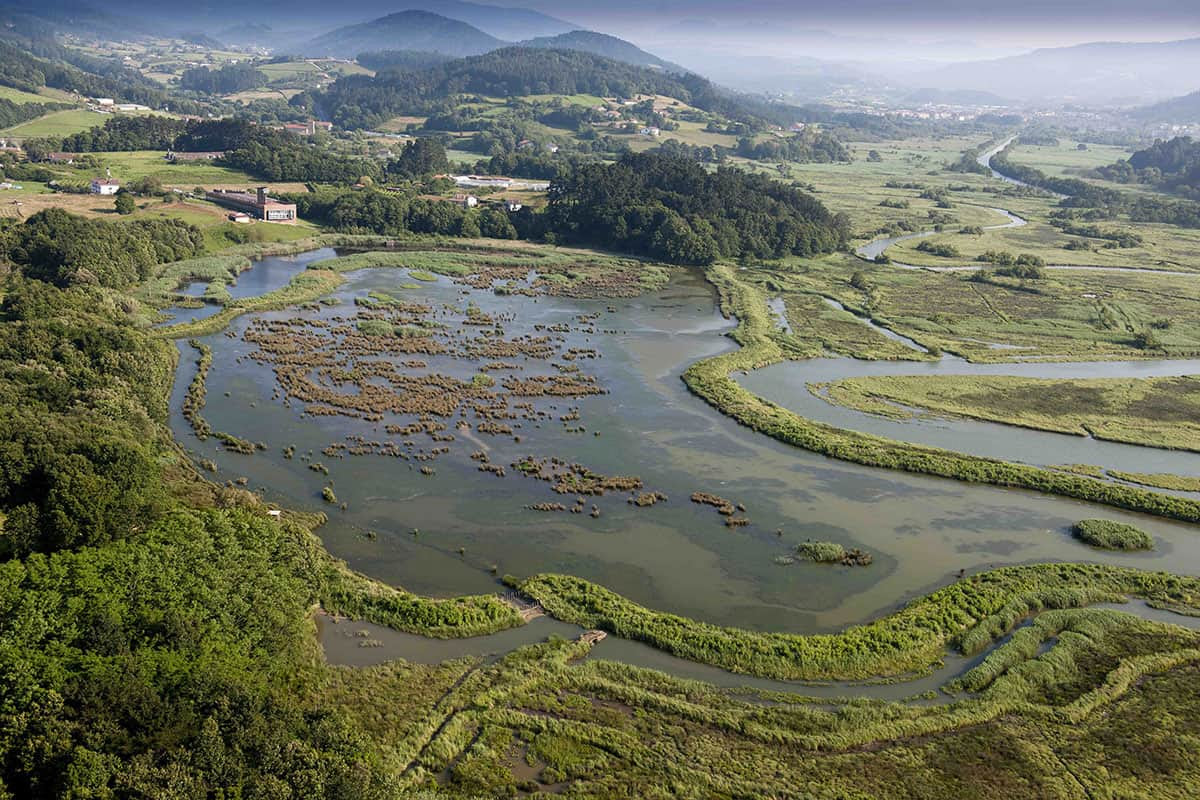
1010,24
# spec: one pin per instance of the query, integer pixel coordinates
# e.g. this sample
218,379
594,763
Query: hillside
1177,109
272,21
504,23
404,30
1095,72
360,101
601,44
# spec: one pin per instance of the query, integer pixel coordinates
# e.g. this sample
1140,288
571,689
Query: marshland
437,431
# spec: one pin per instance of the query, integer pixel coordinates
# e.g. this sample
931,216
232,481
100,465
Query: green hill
405,30
602,44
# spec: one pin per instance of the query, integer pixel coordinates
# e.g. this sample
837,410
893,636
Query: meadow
57,123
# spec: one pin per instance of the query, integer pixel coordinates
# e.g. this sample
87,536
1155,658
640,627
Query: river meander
676,555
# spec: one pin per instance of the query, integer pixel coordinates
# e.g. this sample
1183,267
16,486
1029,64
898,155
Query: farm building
105,186
256,204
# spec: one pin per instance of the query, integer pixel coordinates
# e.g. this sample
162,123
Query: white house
466,200
105,186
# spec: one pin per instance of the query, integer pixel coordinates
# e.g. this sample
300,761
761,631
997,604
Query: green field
1066,158
21,98
129,166
58,123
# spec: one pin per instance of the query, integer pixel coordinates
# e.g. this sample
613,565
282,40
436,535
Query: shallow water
266,275
675,556
786,384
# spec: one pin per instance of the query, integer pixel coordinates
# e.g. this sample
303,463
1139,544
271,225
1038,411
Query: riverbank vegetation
711,380
967,614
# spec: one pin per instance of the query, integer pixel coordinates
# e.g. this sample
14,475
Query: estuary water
455,530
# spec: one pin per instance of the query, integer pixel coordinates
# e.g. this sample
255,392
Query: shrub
941,250
821,552
1111,535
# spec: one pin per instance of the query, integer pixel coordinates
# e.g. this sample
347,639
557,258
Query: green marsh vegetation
710,379
1067,315
832,553
1109,535
967,614
1154,412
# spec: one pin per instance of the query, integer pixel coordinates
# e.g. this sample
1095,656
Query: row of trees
1081,194
394,214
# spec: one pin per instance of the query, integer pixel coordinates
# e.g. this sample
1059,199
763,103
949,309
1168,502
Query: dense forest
676,210
229,79
64,249
148,132
15,113
1172,165
400,60
152,646
670,209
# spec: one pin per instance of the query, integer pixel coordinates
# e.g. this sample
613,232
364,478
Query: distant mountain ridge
1097,72
404,30
426,32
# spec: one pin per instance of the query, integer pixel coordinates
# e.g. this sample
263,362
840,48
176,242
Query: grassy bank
969,613
302,288
710,379
1154,412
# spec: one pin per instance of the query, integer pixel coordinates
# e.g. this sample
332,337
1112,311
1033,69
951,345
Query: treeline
63,249
1110,202
1080,192
273,155
268,154
677,211
1172,165
15,113
229,79
125,133
808,146
395,214
968,161
668,209
400,60
359,101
